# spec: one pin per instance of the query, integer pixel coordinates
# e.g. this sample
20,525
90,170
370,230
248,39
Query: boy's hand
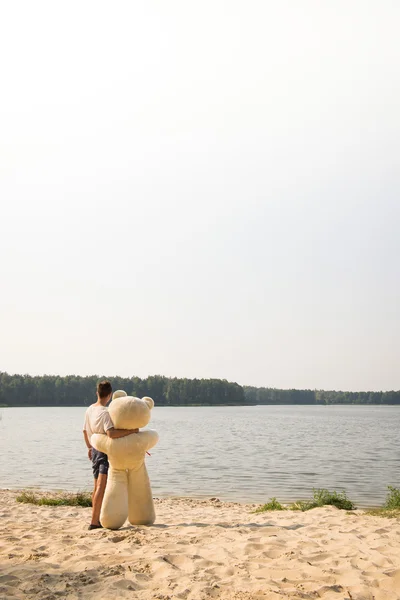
90,453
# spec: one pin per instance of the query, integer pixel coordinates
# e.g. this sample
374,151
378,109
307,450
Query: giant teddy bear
128,492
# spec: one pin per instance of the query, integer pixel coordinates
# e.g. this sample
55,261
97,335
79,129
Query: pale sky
202,189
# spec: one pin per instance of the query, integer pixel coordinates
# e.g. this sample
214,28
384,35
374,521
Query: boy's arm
87,442
119,433
115,433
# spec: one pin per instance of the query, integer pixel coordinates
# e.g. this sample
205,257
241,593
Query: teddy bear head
128,412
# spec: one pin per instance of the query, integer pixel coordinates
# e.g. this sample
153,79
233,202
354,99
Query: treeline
72,390
274,396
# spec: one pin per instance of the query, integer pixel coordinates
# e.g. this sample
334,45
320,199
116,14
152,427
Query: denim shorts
99,463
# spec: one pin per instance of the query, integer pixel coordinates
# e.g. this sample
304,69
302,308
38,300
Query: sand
198,549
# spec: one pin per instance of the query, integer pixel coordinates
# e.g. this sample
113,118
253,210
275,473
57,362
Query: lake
241,453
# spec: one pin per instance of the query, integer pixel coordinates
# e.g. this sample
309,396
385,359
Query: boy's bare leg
98,495
94,491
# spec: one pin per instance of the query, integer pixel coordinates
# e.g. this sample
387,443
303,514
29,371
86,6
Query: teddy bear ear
149,402
118,394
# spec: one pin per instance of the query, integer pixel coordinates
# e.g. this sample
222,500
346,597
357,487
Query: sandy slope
197,550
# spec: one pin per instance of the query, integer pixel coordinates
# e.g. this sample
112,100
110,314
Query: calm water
235,453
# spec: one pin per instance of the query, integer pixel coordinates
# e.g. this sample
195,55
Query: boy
98,420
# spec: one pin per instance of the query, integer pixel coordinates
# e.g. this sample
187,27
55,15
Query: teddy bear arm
151,438
101,442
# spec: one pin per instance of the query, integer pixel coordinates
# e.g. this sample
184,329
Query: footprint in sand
10,580
274,552
251,548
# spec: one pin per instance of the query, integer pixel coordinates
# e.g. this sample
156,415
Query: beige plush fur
128,492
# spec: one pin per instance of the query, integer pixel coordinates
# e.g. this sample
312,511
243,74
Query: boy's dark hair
104,389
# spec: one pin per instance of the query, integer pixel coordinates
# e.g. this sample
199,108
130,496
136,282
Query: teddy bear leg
140,498
114,510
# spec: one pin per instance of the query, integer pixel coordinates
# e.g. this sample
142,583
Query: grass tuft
393,498
58,499
383,512
302,505
322,497
339,499
391,508
273,504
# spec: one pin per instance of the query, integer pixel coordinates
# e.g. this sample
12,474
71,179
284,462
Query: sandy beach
198,549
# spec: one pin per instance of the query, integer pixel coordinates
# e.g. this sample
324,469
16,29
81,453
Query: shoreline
198,550
200,497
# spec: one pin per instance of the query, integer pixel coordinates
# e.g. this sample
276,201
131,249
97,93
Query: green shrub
322,497
59,499
339,499
391,508
393,498
273,504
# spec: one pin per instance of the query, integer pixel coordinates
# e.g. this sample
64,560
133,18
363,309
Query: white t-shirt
97,420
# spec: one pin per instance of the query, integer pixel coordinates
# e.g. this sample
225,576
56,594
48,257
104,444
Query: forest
73,390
